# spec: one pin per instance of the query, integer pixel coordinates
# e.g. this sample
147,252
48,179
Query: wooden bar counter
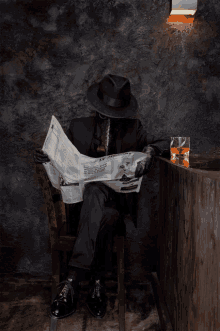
189,242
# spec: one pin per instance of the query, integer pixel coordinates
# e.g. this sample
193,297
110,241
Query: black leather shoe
97,300
65,303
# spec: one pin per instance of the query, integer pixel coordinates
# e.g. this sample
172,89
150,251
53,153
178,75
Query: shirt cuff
156,149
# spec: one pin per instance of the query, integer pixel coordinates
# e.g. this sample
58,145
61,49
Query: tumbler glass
179,148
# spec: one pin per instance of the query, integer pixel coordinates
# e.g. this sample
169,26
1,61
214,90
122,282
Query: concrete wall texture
51,52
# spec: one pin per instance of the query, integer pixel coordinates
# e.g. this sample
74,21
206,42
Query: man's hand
40,156
140,170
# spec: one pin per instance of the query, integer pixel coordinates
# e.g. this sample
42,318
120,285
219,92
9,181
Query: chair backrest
56,211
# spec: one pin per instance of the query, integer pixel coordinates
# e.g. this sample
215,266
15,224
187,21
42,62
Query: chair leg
53,324
55,281
55,272
121,288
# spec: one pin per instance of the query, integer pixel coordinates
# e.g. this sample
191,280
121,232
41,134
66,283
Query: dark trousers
95,230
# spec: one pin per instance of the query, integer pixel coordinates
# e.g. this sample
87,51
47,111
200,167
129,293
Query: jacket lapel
82,130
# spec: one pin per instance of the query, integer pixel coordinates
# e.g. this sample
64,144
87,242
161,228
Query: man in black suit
113,130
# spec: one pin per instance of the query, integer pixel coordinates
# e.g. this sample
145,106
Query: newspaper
69,170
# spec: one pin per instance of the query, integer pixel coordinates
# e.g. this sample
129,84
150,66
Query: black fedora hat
112,97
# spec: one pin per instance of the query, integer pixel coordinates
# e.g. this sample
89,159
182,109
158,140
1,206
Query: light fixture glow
182,13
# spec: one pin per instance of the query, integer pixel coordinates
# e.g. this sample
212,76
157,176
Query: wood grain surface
190,246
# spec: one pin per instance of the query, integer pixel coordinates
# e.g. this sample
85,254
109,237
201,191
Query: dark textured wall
51,52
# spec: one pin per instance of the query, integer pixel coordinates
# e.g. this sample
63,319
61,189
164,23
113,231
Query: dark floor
25,305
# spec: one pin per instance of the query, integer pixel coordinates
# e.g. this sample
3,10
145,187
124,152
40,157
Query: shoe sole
99,317
59,318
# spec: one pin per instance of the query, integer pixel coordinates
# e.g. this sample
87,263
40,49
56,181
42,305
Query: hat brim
109,111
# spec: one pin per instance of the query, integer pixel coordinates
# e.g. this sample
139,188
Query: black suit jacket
126,135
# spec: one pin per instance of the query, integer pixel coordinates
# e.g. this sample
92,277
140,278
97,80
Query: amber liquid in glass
179,150
180,156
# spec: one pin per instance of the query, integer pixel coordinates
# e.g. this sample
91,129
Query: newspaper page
69,170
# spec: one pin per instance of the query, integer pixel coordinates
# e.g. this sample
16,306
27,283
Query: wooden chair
62,241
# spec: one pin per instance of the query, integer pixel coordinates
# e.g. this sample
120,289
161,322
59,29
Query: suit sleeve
161,145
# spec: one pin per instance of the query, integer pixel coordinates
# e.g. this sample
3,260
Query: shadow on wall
11,252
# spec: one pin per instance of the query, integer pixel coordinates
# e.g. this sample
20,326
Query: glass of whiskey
179,149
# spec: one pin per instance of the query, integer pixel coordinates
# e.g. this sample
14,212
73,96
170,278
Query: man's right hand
40,156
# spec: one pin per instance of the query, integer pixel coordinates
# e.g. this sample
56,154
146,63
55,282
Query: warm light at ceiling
182,13
180,19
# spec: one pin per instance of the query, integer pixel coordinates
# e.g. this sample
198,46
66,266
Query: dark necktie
105,126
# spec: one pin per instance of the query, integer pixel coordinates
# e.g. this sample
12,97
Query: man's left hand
140,170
